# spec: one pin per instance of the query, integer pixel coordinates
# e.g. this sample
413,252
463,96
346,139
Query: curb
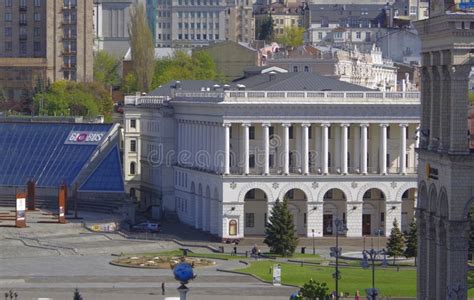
256,277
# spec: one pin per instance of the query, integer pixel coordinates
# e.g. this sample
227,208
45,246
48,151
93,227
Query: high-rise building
44,41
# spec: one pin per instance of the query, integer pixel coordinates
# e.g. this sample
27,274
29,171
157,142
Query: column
227,148
317,146
344,148
356,156
246,152
383,149
305,148
325,147
336,157
363,148
266,147
286,147
403,149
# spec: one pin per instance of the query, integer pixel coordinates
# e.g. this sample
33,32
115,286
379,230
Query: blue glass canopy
39,151
107,177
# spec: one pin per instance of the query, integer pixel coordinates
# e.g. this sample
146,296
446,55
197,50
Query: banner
276,275
85,137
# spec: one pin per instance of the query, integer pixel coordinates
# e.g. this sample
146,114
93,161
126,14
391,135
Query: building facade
220,157
367,69
240,22
54,36
284,15
111,18
446,162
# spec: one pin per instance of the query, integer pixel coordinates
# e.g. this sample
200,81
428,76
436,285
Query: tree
291,37
106,69
411,241
142,48
395,242
181,66
70,98
280,231
265,30
313,290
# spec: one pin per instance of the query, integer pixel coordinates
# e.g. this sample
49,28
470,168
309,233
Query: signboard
276,275
20,221
431,173
84,137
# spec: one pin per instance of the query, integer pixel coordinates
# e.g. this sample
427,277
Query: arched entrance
255,212
298,207
373,212
408,208
334,207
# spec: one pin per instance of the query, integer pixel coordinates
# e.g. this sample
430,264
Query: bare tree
141,44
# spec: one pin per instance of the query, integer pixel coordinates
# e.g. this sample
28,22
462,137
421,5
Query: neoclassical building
221,156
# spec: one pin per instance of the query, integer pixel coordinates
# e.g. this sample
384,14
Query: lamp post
336,252
314,249
371,255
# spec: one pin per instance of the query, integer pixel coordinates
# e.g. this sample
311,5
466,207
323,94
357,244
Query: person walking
357,295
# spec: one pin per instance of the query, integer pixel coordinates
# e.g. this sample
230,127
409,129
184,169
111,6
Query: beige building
54,38
240,22
283,14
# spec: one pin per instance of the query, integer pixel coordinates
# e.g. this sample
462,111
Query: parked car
147,226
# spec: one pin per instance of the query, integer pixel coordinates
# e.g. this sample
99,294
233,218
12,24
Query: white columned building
345,154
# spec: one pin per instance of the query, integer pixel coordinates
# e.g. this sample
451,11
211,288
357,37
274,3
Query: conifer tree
280,231
412,241
396,242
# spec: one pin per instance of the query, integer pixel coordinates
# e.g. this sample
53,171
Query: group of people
256,252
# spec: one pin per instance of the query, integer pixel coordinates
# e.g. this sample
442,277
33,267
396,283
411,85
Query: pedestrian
357,296
162,288
235,248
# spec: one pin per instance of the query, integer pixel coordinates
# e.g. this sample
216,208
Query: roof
335,13
49,153
297,81
186,85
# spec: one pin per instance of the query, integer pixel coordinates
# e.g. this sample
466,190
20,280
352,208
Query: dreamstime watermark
215,160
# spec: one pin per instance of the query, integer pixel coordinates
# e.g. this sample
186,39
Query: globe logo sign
183,272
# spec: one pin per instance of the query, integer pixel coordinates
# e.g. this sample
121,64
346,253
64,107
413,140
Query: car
147,226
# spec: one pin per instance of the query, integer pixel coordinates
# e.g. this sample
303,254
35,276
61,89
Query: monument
446,164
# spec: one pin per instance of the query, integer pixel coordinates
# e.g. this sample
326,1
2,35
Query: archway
373,212
408,208
334,207
298,207
255,212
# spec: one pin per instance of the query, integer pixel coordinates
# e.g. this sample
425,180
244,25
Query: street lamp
371,255
336,251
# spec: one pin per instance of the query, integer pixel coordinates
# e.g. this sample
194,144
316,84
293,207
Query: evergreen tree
77,295
396,242
280,231
411,241
265,30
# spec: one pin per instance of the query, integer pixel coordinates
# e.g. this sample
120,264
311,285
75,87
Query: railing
317,171
145,100
311,97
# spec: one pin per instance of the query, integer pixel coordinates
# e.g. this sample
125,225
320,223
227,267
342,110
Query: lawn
179,252
390,282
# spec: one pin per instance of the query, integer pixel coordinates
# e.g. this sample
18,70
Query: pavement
50,260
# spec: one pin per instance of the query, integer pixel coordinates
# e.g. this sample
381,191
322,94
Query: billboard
20,219
84,137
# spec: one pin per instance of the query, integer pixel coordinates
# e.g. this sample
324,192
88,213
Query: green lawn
390,282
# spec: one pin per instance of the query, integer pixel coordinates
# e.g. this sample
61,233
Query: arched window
232,227
132,168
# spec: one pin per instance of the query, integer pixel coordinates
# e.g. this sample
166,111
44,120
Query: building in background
220,156
44,41
240,22
111,19
366,69
284,14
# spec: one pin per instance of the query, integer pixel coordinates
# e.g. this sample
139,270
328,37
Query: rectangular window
252,160
8,3
23,47
133,123
8,17
320,35
37,31
133,146
8,31
249,220
37,46
252,132
358,34
37,3
8,46
367,36
37,17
